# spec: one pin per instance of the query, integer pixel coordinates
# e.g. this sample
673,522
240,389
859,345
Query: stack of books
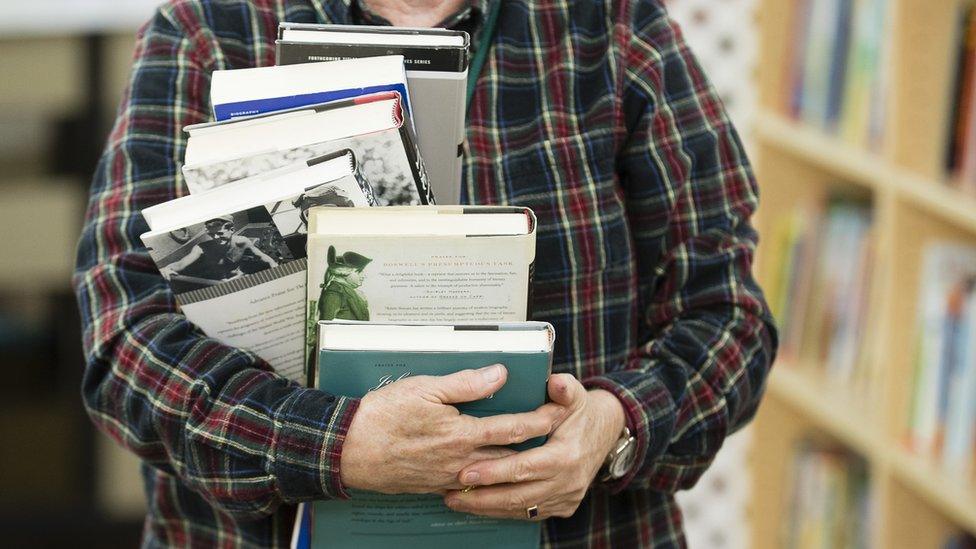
837,76
819,288
942,422
310,237
829,505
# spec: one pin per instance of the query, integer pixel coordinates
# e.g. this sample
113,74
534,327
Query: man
597,116
218,258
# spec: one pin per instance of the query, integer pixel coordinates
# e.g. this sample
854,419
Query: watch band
619,449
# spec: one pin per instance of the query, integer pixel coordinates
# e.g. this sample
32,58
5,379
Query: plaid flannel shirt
594,114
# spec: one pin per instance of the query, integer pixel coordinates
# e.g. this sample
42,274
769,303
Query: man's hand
555,476
407,437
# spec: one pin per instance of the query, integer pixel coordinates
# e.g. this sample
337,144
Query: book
260,90
962,89
942,421
829,504
964,162
235,257
355,358
436,63
826,273
371,126
449,264
862,113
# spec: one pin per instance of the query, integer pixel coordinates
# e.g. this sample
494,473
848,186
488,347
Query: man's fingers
530,465
566,390
514,428
490,452
502,501
468,385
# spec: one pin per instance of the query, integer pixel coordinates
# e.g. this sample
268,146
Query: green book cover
371,520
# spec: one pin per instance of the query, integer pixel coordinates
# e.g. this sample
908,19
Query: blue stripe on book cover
237,109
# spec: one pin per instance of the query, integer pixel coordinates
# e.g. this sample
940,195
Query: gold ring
532,512
467,489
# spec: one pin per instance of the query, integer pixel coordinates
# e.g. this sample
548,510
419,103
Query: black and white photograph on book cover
382,159
291,215
224,248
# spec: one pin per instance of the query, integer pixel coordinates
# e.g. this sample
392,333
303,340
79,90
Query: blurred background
860,116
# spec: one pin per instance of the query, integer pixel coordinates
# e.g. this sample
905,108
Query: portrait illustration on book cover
340,296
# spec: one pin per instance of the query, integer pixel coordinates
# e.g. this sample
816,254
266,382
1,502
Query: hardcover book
261,90
371,126
235,256
436,63
448,264
356,358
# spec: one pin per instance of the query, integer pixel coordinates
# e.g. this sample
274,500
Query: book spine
414,58
417,167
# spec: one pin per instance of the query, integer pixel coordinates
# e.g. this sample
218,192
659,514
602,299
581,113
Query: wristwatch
621,458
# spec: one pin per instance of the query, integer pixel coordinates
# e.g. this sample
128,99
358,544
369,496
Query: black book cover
414,58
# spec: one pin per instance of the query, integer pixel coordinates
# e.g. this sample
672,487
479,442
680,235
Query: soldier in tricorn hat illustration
340,297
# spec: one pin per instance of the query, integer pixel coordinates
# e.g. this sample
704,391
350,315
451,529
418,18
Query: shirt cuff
650,416
310,429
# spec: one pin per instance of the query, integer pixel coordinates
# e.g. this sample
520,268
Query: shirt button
330,398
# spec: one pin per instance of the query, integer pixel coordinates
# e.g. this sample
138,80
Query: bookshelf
915,502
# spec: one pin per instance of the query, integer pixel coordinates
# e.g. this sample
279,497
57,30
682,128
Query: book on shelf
829,503
235,256
836,78
819,286
960,540
355,358
942,422
436,63
448,264
867,75
372,126
961,160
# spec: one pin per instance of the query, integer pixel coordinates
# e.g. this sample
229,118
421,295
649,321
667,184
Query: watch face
622,461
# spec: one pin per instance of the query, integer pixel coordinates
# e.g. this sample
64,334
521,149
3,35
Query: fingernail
471,477
452,502
491,373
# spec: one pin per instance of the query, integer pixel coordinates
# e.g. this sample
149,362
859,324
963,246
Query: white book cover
372,127
410,264
260,90
436,62
238,270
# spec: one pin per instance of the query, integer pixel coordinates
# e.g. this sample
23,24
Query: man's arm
177,267
249,245
709,338
217,417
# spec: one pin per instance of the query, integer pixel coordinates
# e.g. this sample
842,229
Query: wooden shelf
954,497
915,502
827,406
866,169
846,418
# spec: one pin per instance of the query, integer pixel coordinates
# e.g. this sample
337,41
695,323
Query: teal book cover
369,520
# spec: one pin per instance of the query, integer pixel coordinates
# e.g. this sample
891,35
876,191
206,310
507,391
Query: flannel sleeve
219,418
708,338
